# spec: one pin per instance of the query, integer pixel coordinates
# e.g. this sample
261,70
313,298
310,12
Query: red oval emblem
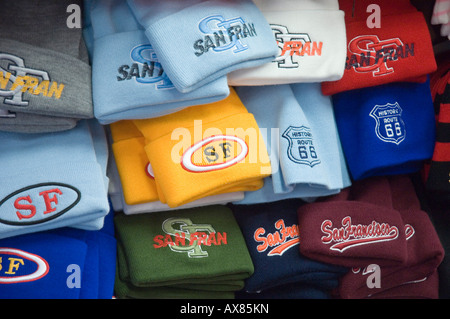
20,258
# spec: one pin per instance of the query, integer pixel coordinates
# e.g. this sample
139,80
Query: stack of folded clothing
133,177
299,128
190,253
45,81
202,151
386,129
382,103
375,227
311,41
151,202
249,149
54,180
64,263
131,83
399,51
272,235
218,37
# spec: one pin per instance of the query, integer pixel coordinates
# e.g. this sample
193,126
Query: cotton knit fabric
128,79
63,263
272,235
219,36
64,185
127,146
298,125
39,266
386,130
116,192
428,288
135,178
424,249
311,42
205,150
355,228
42,76
34,123
207,254
289,291
399,50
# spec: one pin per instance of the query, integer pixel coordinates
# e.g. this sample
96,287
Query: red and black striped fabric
436,172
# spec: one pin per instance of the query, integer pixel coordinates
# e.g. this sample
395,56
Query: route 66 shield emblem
389,123
301,148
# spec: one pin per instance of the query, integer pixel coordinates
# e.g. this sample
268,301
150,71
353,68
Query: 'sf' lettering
49,200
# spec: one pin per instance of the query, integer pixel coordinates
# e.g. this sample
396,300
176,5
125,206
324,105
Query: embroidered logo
17,79
293,45
370,54
17,266
188,237
409,233
279,241
38,203
222,34
389,125
301,148
214,153
146,68
349,235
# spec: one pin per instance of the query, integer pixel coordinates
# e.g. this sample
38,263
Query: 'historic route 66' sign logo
301,148
389,123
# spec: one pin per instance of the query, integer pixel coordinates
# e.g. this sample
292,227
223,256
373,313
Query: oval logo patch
38,203
214,153
20,266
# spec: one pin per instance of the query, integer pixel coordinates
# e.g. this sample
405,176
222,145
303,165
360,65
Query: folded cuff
132,162
352,234
227,155
398,51
307,51
43,197
129,82
34,123
216,39
379,128
44,82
